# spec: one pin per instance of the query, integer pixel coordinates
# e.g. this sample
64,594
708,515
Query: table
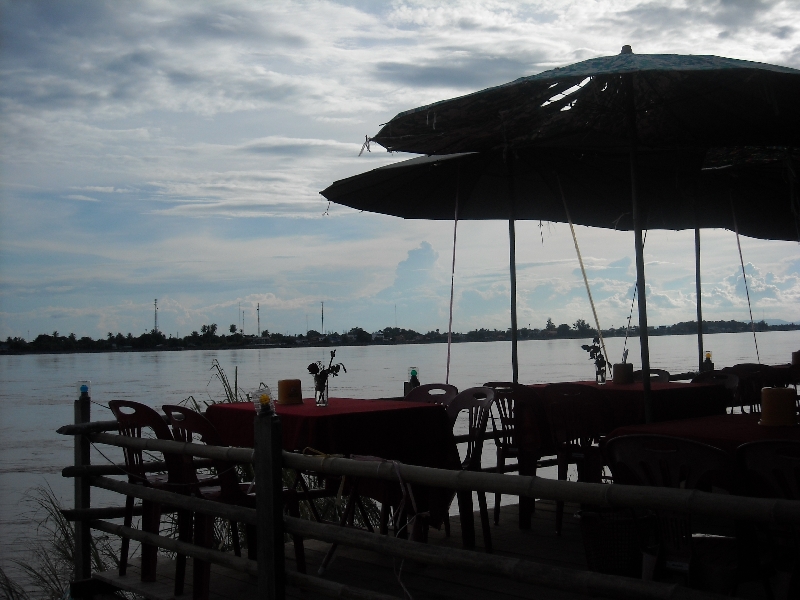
624,406
726,432
413,433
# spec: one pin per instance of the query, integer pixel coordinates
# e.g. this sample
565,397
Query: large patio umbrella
745,183
628,108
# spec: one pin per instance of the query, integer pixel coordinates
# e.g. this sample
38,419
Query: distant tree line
208,337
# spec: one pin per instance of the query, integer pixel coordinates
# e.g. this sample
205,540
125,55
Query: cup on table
622,373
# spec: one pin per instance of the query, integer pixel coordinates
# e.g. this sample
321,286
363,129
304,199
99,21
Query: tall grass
49,569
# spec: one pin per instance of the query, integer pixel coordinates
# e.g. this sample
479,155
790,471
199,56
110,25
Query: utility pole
155,312
258,319
323,318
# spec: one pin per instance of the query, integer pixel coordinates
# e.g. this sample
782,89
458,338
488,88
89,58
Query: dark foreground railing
269,459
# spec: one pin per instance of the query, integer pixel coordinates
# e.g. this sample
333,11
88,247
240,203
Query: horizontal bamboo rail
90,427
299,580
121,469
766,510
524,571
108,512
207,507
241,455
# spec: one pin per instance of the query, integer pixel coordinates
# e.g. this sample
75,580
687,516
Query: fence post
269,506
83,555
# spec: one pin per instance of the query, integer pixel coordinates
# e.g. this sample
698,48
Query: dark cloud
475,71
90,54
729,15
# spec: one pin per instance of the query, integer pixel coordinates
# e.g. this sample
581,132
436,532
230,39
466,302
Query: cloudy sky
175,150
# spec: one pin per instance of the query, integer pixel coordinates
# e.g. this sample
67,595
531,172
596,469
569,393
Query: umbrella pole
699,301
512,243
640,285
637,236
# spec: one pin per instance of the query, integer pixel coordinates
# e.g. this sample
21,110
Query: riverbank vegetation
208,338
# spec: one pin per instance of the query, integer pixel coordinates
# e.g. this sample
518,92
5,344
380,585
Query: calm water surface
37,391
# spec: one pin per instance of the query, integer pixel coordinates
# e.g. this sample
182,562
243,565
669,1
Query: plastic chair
477,403
506,442
729,380
718,563
432,393
577,420
659,375
752,377
134,419
772,470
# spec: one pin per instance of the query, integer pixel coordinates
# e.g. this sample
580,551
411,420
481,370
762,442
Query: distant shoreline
400,337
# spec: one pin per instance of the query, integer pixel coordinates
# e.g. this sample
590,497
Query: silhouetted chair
659,375
718,563
729,380
575,414
186,426
134,419
432,393
477,403
752,377
772,470
503,427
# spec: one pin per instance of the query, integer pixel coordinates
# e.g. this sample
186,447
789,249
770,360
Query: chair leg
487,530
151,519
467,519
237,546
299,549
252,542
563,465
201,570
184,535
123,553
347,517
384,525
501,462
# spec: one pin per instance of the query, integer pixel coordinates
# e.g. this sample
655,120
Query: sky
176,150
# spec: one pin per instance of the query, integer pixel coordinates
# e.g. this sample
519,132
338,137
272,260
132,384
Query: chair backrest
477,402
504,404
773,468
188,424
575,413
664,461
752,377
729,380
659,375
133,418
433,393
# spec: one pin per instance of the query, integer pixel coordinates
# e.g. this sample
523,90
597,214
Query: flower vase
600,376
321,390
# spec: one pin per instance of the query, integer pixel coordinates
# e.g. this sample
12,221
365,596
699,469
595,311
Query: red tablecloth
624,406
413,433
726,432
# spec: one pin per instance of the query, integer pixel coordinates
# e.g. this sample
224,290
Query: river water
37,391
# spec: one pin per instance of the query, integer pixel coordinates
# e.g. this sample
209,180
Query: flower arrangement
321,374
596,354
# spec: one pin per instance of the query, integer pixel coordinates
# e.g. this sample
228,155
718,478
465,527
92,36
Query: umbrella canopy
679,101
675,193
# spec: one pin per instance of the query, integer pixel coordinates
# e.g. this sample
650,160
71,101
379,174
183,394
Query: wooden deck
359,568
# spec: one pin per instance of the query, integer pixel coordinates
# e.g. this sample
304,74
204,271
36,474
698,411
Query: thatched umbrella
636,112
